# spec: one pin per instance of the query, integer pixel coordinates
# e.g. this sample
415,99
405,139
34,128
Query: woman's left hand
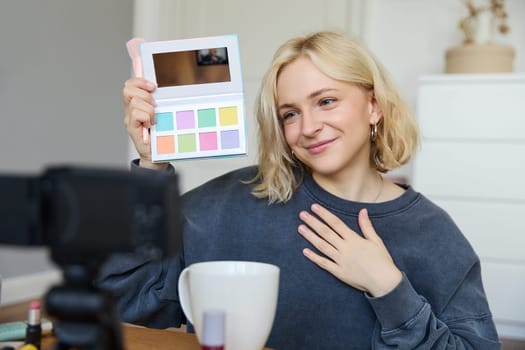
362,262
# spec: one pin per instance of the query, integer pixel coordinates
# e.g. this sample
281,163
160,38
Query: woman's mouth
318,147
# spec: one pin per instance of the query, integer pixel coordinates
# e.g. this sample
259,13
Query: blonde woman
365,263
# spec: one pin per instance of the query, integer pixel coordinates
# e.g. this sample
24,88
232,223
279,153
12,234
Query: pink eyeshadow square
208,141
185,120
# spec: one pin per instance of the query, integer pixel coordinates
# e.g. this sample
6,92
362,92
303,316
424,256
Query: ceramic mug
246,292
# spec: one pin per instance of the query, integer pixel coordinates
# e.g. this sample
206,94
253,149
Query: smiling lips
319,147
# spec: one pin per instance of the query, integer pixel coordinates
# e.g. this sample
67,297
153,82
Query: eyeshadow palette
199,97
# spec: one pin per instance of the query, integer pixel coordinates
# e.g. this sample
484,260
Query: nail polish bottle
34,328
213,330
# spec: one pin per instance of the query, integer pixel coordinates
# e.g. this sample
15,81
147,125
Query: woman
365,263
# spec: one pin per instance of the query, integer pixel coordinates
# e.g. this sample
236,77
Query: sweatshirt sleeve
406,319
145,290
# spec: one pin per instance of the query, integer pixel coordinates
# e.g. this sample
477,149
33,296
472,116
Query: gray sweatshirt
439,304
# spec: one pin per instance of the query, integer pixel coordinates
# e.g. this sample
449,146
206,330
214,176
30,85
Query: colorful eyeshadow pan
228,115
185,120
207,117
164,121
200,132
165,144
208,141
230,139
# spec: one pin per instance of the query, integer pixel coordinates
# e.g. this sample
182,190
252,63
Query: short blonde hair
342,58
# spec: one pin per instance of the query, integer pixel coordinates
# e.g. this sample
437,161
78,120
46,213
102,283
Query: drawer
471,170
496,230
472,108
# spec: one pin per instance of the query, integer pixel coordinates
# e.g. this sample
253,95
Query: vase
483,28
480,58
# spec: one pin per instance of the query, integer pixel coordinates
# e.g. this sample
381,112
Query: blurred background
64,62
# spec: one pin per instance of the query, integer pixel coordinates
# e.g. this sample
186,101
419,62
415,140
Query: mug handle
184,294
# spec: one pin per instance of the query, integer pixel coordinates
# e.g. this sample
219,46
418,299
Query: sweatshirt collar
342,206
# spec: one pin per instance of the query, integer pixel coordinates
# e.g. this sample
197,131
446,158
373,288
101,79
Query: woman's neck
364,185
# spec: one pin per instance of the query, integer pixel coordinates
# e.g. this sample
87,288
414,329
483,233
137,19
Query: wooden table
135,338
138,338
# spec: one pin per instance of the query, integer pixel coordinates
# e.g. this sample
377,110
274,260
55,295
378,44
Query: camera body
83,215
86,214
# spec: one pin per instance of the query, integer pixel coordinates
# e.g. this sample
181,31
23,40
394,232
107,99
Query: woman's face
326,121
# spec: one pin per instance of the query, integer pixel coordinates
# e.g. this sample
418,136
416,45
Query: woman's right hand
139,113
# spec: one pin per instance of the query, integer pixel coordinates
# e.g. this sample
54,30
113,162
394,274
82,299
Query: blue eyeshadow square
164,121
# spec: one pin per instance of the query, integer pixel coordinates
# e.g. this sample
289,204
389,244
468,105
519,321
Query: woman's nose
311,124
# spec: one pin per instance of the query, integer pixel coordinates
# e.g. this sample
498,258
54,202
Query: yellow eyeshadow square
228,116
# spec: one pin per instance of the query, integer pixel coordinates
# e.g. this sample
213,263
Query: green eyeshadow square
206,117
187,143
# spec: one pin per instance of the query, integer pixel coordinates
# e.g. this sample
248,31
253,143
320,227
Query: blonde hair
342,58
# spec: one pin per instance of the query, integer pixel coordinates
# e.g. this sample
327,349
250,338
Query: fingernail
150,85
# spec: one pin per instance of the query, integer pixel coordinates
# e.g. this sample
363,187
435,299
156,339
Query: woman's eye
288,115
326,101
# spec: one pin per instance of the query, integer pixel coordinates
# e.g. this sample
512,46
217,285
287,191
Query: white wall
62,69
411,36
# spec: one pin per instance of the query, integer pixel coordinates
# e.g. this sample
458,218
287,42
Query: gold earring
373,133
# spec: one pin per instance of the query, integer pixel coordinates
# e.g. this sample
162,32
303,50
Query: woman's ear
374,111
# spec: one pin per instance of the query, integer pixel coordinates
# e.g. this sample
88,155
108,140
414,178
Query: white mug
246,292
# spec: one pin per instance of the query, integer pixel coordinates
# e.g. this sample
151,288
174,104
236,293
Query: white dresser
472,163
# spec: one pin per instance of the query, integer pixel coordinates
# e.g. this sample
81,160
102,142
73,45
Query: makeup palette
199,97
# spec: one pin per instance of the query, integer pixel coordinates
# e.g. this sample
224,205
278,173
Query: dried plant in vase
479,52
479,25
